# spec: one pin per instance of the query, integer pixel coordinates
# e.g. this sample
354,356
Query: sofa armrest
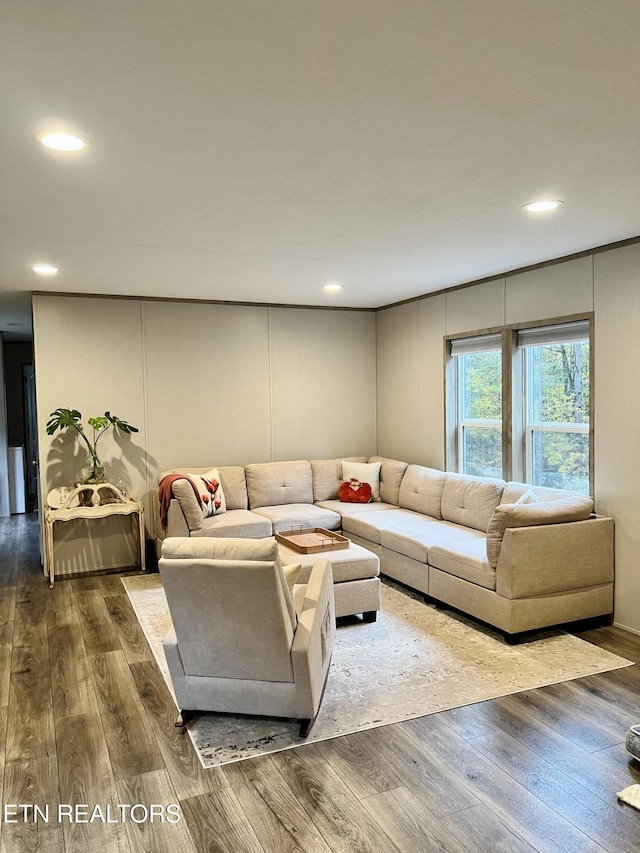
176,522
315,633
550,558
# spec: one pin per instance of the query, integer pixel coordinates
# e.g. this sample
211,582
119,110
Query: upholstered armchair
240,643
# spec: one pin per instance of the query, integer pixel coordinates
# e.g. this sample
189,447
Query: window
540,431
478,364
556,366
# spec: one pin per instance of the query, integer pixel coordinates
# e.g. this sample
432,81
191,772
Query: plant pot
93,473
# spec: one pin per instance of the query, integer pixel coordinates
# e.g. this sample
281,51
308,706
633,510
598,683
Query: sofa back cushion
471,500
232,481
327,476
568,508
421,490
514,491
235,486
279,483
229,598
212,499
391,474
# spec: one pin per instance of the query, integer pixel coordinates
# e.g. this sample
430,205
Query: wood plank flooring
86,718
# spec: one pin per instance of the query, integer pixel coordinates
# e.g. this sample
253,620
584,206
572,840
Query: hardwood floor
86,718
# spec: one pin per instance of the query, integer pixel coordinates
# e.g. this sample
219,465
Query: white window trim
472,422
531,426
517,434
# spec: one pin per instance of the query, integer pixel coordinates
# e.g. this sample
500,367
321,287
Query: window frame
484,423
514,430
532,426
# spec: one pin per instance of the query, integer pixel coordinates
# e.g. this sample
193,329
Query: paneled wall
617,422
397,397
607,283
206,384
207,394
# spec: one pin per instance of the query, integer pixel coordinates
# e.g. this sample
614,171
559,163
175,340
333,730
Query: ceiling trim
630,241
71,294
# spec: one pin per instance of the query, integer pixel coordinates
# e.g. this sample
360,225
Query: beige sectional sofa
468,542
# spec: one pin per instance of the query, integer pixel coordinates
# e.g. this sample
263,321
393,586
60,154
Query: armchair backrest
230,606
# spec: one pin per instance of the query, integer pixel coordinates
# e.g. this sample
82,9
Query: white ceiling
250,151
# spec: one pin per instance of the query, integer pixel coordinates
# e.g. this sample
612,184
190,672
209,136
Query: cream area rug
415,660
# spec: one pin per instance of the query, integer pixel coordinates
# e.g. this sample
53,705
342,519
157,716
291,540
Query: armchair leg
305,727
370,616
183,718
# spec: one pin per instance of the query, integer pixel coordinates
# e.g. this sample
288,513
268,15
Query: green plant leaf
98,423
63,418
120,424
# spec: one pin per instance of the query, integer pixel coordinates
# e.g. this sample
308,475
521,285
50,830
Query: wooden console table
93,502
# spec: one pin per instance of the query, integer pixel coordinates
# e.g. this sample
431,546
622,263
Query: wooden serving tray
312,540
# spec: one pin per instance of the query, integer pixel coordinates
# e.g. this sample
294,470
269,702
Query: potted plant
64,418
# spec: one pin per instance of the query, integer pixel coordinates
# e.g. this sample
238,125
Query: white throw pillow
366,472
528,497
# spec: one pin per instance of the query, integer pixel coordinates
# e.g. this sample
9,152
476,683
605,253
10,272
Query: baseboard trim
626,628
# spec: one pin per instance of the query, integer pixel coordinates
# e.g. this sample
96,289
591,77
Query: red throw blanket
165,494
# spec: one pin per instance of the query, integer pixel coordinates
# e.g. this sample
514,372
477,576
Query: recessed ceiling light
44,269
541,206
63,141
332,286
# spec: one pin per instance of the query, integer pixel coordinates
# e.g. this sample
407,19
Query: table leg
141,540
49,540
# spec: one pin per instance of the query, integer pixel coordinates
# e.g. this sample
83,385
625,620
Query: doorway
31,433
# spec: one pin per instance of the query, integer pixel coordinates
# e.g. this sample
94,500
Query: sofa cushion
421,490
327,476
368,524
235,523
184,548
232,479
234,485
416,539
569,508
391,474
354,563
253,572
284,517
365,472
466,560
471,500
260,551
212,500
279,483
350,509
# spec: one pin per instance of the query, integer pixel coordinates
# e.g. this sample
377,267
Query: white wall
207,374
323,380
206,384
397,398
5,508
617,416
88,356
410,386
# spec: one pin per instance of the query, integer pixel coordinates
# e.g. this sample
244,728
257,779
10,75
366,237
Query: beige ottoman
356,581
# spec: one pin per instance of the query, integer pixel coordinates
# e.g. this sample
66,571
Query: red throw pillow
355,492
